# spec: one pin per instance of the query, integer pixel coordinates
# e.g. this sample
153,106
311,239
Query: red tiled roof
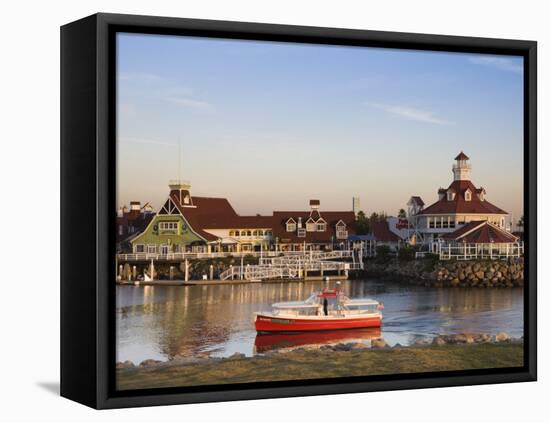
466,228
460,205
381,232
135,219
481,232
217,213
330,217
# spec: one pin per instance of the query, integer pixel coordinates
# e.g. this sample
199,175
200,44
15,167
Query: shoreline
444,353
426,272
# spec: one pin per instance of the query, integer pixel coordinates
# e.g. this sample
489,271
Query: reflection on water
162,322
275,341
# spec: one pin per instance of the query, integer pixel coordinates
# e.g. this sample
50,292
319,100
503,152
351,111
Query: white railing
487,251
261,272
182,256
306,257
315,255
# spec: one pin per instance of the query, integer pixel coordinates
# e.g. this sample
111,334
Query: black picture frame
88,95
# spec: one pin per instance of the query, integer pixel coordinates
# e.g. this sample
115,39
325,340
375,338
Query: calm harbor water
162,322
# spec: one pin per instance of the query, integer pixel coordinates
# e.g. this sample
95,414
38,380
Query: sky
271,125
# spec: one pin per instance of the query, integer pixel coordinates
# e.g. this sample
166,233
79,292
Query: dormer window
468,195
341,232
291,225
186,199
310,225
450,195
321,225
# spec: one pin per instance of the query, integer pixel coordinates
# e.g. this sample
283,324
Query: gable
169,208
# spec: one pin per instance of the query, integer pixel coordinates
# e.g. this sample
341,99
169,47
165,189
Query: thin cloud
139,76
146,141
411,113
500,63
191,103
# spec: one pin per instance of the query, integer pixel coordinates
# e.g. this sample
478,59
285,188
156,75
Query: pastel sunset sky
271,125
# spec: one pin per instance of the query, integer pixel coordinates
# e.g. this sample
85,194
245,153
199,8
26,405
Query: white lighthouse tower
462,168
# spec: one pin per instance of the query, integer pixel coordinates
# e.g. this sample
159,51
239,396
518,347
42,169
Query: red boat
328,309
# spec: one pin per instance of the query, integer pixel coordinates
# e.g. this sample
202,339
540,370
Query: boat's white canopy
361,301
295,304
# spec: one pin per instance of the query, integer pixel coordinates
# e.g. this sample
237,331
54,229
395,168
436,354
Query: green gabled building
201,225
169,231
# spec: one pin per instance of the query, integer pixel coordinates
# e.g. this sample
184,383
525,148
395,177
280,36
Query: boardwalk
295,266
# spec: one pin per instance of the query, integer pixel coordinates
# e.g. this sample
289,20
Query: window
255,233
290,226
301,233
341,233
164,249
186,199
231,233
481,196
249,233
152,249
168,226
237,233
321,227
140,248
260,233
310,226
268,233
450,195
468,195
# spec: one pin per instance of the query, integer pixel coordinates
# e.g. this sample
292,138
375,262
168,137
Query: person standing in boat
325,306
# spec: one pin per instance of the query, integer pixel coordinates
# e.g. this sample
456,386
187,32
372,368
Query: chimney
299,223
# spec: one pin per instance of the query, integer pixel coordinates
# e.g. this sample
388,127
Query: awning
224,241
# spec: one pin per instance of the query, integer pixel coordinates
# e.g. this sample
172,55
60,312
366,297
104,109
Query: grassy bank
323,364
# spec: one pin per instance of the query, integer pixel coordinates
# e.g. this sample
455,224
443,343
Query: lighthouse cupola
462,168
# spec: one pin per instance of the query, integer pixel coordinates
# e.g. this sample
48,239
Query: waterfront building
130,221
312,229
462,213
387,233
187,223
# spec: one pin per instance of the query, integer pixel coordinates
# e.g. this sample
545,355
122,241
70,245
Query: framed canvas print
255,211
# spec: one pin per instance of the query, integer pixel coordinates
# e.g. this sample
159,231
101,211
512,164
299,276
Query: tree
402,214
406,253
362,224
521,223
